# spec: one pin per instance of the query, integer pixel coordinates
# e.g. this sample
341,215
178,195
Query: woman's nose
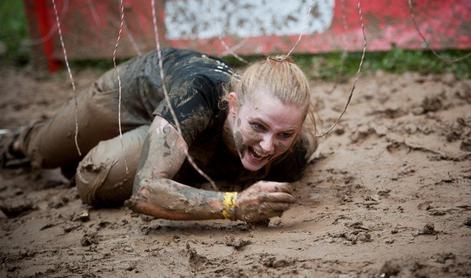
267,144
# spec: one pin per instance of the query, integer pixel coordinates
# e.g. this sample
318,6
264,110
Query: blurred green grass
335,65
332,65
327,66
13,32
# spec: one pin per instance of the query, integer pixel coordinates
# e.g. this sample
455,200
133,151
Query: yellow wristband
229,205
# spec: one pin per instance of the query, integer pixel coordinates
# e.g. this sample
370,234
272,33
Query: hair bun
280,58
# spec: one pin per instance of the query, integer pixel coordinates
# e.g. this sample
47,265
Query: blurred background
330,47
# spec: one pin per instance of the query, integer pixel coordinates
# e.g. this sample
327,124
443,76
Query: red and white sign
247,26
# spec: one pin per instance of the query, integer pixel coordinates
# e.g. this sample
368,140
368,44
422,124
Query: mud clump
428,229
353,237
58,202
71,227
195,260
88,239
466,145
361,134
390,268
14,208
432,104
274,262
444,257
463,91
238,243
429,104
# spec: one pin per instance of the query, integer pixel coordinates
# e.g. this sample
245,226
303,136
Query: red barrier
249,27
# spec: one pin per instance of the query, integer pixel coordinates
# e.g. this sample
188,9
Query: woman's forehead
274,112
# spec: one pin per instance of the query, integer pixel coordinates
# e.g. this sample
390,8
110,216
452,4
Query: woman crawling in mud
252,132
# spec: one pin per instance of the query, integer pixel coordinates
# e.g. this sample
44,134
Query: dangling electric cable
50,33
231,51
96,18
116,70
167,99
59,29
357,74
426,42
344,51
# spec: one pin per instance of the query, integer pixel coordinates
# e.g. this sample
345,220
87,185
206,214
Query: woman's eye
258,127
285,135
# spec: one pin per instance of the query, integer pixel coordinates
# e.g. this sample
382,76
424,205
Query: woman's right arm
156,194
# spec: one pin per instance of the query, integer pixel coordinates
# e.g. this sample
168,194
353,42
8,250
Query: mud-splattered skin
263,127
157,195
195,84
254,127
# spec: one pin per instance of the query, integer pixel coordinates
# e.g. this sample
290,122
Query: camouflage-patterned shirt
195,84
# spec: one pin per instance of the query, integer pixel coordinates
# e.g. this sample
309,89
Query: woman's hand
263,200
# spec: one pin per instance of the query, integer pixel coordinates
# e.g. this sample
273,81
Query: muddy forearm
165,198
154,193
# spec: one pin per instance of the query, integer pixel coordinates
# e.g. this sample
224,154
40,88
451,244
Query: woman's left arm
156,194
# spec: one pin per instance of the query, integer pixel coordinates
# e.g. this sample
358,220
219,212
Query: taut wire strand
132,40
119,81
344,51
231,51
167,99
70,76
295,44
48,36
357,74
94,13
300,36
426,42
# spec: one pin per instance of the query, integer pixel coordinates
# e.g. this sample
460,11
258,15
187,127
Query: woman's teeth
257,155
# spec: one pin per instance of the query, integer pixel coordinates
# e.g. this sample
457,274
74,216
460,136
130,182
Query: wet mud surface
387,194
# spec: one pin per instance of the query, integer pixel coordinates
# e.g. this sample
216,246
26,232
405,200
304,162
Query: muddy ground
387,194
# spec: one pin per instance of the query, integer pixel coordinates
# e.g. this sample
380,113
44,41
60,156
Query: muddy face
263,128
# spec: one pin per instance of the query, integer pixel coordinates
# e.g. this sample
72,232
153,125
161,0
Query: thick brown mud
387,194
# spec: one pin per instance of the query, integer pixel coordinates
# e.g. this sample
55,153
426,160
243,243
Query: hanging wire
344,51
295,44
116,70
237,46
50,33
231,51
59,29
132,40
92,9
426,42
167,98
300,36
357,74
96,18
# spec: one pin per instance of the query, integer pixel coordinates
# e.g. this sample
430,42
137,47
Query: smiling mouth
257,156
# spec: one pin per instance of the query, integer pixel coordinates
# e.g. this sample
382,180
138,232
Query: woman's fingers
263,200
278,197
271,186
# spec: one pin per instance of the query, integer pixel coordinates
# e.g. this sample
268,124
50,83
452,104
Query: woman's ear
233,102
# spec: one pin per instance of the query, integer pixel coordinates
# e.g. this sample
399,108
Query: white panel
201,19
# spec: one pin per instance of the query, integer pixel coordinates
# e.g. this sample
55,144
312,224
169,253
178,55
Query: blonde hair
284,80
